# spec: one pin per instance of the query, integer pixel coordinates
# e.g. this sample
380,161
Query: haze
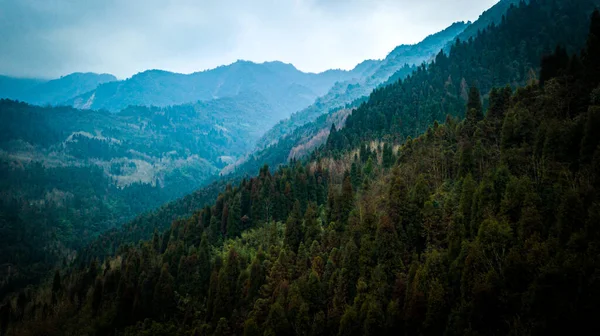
50,38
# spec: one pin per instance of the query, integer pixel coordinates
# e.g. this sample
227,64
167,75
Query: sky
50,38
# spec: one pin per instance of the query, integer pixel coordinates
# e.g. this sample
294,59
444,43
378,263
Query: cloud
49,38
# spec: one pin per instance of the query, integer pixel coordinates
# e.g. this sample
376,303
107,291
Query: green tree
294,232
164,300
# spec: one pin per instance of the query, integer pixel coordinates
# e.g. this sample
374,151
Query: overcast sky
50,38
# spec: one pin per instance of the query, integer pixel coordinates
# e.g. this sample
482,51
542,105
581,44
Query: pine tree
164,301
388,156
388,248
311,225
474,106
294,232
204,270
226,296
251,328
591,136
332,139
346,199
466,204
56,283
234,217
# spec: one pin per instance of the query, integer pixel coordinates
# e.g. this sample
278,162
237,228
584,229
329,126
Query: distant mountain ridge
51,92
284,86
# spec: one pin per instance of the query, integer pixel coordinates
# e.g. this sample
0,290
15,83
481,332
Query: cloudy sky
49,38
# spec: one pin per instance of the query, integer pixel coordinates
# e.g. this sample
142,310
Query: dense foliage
489,225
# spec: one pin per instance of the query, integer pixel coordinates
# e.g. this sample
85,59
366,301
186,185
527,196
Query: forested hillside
487,224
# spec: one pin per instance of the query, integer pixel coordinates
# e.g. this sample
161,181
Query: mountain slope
280,152
283,86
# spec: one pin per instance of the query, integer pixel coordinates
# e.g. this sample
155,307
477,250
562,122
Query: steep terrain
374,73
482,225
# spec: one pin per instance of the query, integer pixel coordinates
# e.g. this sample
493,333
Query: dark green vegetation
52,92
484,225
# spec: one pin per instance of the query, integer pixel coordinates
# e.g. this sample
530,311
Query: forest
485,223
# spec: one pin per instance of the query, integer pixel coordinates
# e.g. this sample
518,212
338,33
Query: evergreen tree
311,225
234,217
164,302
294,232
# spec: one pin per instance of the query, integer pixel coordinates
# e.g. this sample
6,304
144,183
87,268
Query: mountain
284,87
372,73
52,92
486,225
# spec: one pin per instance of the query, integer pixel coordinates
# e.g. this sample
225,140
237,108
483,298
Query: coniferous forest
461,200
